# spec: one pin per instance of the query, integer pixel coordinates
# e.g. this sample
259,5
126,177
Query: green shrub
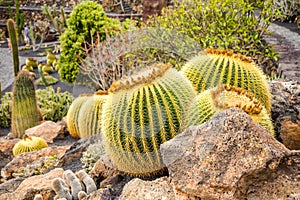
54,105
225,24
85,21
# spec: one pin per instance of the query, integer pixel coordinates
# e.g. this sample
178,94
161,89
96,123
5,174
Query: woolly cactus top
145,75
226,96
228,53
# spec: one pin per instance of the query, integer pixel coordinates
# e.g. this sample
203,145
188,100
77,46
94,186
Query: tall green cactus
73,113
25,111
215,67
214,100
14,44
141,112
89,116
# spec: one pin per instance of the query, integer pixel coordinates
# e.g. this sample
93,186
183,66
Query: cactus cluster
141,112
214,67
5,110
73,186
29,144
25,111
213,101
54,105
84,114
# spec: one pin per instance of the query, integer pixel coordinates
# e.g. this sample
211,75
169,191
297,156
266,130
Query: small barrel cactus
213,101
73,112
141,112
215,67
31,62
25,111
29,144
89,116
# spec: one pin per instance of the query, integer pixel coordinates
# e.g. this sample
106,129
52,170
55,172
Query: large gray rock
231,157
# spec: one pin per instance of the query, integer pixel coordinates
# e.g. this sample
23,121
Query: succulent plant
11,27
214,100
91,156
25,111
31,62
5,110
141,112
49,79
89,116
73,112
29,144
54,105
214,67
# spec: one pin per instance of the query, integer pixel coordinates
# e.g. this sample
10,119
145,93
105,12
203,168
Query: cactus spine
216,67
29,144
89,116
141,112
14,44
73,113
213,101
25,111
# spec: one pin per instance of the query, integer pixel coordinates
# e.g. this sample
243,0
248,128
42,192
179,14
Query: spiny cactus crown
145,75
29,144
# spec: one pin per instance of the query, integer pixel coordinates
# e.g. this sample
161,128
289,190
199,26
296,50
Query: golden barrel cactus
214,67
141,112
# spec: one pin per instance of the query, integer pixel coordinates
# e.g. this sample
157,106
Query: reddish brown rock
231,157
24,159
6,146
40,184
48,130
286,112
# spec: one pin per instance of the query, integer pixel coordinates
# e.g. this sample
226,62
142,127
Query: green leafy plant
236,25
141,112
85,20
54,105
214,67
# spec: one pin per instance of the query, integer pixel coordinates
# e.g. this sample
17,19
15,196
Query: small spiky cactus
89,116
31,62
213,101
215,67
14,44
141,112
29,144
73,113
25,111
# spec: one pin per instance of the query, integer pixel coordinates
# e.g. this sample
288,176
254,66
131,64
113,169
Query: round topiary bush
85,21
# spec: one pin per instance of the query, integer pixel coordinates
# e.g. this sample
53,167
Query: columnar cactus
215,67
89,116
25,111
213,101
141,112
14,44
73,113
29,144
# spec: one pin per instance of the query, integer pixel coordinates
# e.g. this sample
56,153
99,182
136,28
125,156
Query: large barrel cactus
73,113
89,116
25,111
213,101
141,112
214,67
